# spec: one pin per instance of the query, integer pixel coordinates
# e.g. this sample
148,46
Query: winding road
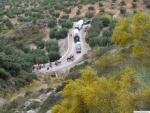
70,51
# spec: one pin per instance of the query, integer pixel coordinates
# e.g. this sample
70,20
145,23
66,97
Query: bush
39,43
53,50
38,56
90,8
147,3
67,24
52,46
122,3
107,33
4,74
62,33
0,28
76,18
53,32
33,105
104,63
99,41
135,0
78,12
134,4
113,1
9,24
23,46
105,21
67,10
104,41
53,56
122,10
101,4
89,14
56,14
58,34
65,17
52,22
50,101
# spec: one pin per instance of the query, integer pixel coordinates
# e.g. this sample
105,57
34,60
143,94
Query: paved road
70,51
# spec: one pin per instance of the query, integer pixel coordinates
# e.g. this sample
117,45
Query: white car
78,47
79,25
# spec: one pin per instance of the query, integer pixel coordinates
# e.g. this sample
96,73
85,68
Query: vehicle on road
86,22
78,47
76,39
76,32
79,25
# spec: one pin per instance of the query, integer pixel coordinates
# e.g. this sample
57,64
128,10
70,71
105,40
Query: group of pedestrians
50,65
70,58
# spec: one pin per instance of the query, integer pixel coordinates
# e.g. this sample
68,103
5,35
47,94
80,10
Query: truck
78,47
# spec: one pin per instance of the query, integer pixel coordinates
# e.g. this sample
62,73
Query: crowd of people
50,65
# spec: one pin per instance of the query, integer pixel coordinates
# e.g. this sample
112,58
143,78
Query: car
86,22
76,39
78,47
79,25
76,32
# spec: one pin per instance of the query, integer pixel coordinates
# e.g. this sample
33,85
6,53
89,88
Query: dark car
87,22
76,39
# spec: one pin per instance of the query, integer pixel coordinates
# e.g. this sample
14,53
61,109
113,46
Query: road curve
70,51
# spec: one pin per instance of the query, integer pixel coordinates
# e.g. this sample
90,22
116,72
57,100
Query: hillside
41,70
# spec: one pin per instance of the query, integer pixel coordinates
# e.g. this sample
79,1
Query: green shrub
135,0
9,24
134,4
104,41
89,14
147,3
105,21
62,33
65,17
51,100
53,50
122,10
56,14
122,3
53,32
76,18
52,46
67,10
0,28
58,33
53,55
107,33
52,22
33,105
67,24
113,1
38,56
4,74
23,46
39,43
101,4
78,12
90,8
